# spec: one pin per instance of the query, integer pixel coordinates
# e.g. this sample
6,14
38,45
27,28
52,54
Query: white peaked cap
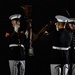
71,20
61,18
14,16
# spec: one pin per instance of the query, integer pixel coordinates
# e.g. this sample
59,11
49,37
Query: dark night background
42,13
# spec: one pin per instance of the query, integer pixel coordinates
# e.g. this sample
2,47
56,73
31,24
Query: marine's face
16,25
72,26
15,22
59,25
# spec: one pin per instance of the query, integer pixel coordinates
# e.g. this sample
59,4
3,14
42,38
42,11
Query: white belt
15,45
60,48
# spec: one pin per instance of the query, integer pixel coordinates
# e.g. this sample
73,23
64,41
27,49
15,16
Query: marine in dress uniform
60,42
16,42
71,26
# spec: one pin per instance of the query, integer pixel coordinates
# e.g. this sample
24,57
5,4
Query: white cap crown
71,20
14,16
61,18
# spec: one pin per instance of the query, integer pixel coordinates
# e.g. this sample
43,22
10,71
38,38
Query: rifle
42,30
27,12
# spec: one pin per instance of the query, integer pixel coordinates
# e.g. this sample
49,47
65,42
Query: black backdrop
43,12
